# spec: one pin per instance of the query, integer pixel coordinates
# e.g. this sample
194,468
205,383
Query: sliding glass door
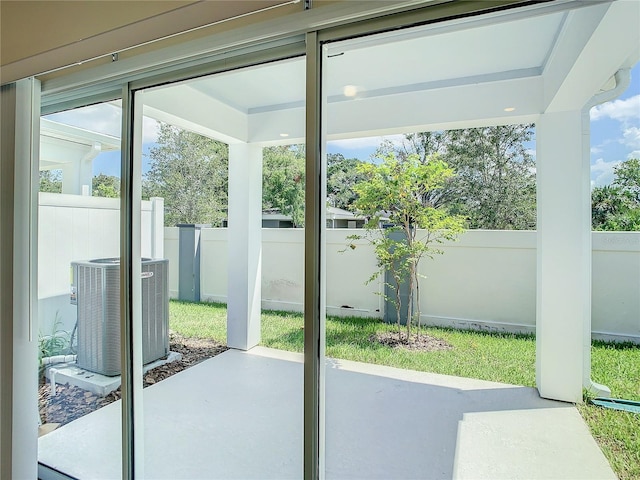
152,328
221,156
423,136
79,319
195,235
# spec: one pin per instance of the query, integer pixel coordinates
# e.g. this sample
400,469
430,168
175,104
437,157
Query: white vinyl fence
485,280
75,227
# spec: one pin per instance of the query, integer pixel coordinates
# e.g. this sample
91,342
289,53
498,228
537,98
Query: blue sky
615,134
615,131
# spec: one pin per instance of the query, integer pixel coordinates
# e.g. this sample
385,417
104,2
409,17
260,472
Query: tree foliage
283,184
190,172
422,144
616,207
51,181
103,185
342,177
283,181
397,190
494,185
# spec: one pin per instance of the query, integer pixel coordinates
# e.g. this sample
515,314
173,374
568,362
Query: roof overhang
62,144
502,68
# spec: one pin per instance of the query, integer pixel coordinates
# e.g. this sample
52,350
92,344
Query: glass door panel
423,134
222,181
78,292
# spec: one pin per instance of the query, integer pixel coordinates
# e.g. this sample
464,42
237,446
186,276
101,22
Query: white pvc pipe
622,78
52,378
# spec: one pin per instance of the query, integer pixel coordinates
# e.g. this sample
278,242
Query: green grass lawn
486,356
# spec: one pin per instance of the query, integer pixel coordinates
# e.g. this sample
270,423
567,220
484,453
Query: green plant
402,191
58,342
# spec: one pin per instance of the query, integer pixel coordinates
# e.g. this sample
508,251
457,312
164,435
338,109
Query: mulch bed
422,342
71,402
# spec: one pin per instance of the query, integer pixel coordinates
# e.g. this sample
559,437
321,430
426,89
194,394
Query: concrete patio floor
239,416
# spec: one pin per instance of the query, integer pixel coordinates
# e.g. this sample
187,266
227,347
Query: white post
245,246
563,256
77,174
157,227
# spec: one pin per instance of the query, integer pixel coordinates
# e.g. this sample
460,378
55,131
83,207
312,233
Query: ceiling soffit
471,74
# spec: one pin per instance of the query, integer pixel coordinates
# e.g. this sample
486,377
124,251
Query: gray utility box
96,286
390,309
189,261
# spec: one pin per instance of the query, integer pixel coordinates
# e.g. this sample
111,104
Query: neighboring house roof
276,216
335,213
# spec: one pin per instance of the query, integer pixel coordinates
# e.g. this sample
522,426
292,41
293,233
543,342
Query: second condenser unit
96,288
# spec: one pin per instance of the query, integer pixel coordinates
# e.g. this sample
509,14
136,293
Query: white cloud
621,110
631,137
149,130
602,172
596,150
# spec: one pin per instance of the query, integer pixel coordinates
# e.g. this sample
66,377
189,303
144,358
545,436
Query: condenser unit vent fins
97,285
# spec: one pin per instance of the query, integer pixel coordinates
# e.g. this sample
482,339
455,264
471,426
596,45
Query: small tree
398,190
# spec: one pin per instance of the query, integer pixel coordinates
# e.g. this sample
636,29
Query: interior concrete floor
239,416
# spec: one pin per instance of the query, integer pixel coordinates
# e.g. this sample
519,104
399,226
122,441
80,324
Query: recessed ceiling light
350,90
284,134
509,109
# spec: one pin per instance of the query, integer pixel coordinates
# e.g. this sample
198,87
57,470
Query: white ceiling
267,85
446,75
412,60
453,58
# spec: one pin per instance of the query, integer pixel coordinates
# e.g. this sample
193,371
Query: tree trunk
398,305
417,299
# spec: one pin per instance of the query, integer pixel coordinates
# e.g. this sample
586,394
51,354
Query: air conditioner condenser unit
96,287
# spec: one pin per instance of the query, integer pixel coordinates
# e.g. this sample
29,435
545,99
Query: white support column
80,172
563,313
245,246
157,227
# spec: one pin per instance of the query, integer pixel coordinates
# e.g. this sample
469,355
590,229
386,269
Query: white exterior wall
485,280
71,228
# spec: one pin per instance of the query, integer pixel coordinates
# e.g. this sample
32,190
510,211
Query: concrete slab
239,415
101,385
